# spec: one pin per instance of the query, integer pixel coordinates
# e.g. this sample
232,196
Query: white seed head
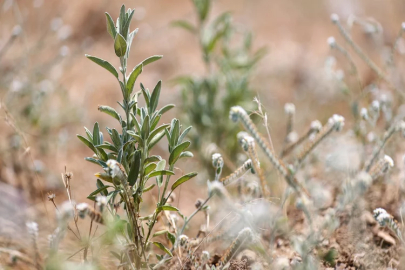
51,196
292,137
183,239
235,112
375,106
382,217
101,202
388,160
403,26
316,126
245,140
334,18
337,121
332,42
32,228
82,209
364,113
205,256
217,160
289,108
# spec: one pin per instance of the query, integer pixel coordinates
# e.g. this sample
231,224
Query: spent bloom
382,217
331,42
289,108
334,18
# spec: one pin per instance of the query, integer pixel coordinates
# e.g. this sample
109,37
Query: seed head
82,209
16,30
375,106
32,228
388,162
332,42
51,196
289,108
334,18
235,112
364,113
382,217
183,240
217,160
337,121
205,256
316,126
403,26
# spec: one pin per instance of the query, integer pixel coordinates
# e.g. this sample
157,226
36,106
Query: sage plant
127,161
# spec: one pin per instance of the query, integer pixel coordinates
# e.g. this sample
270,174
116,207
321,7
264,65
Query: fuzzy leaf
162,247
132,78
148,188
185,25
120,45
160,167
166,108
167,208
135,166
160,173
88,143
154,99
104,64
183,179
96,132
156,131
149,168
151,59
136,137
160,233
156,139
145,128
110,26
174,155
92,195
110,111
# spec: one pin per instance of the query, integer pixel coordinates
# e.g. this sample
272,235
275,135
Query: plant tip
332,42
334,18
289,108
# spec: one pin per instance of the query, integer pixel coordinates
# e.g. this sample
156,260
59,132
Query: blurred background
49,90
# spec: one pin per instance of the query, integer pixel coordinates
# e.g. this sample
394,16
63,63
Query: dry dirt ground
295,33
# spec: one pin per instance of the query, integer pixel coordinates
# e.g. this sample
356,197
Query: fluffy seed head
183,240
235,112
32,228
381,216
388,160
364,113
289,108
337,121
334,18
403,26
316,126
217,160
82,208
205,256
332,42
375,106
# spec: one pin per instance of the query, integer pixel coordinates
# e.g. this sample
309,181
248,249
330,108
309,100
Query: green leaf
100,184
160,173
154,100
127,23
167,208
161,165
186,154
184,134
132,78
146,95
156,139
166,108
162,247
174,132
145,128
110,26
135,166
185,25
96,161
122,18
136,137
115,137
88,143
174,155
151,59
156,131
120,45
89,135
172,237
104,64
110,111
183,179
152,159
97,191
149,168
148,188
102,154
108,146
104,176
96,134
160,233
